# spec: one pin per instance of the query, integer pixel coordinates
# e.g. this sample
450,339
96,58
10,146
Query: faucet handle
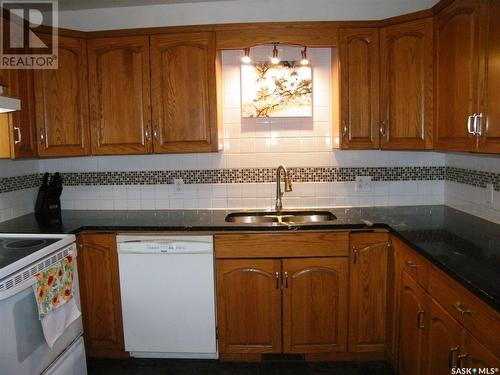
288,184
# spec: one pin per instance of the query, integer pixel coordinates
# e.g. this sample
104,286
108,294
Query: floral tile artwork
281,90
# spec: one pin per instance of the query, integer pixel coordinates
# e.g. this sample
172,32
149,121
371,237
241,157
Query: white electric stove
23,349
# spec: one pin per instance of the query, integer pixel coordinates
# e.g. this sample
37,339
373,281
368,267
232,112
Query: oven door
23,349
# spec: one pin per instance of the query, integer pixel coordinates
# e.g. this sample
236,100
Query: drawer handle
452,360
19,136
461,359
410,264
277,276
420,317
461,310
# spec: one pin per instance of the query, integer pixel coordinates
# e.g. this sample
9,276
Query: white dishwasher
167,293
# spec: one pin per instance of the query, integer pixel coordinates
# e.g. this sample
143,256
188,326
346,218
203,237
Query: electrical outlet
178,185
490,190
364,183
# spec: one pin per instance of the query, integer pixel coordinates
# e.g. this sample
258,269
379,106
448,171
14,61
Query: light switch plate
178,185
364,183
489,194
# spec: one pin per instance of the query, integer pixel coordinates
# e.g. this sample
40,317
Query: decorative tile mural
276,90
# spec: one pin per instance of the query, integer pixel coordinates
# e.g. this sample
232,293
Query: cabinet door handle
286,279
277,276
344,128
155,134
354,255
383,128
461,359
461,310
470,123
410,264
452,360
146,135
478,124
420,316
42,136
17,129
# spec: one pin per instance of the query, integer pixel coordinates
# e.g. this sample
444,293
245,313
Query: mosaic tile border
253,175
8,184
261,175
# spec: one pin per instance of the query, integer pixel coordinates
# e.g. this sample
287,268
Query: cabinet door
249,305
457,64
413,321
443,347
368,292
119,92
476,355
359,88
184,98
490,124
315,305
406,85
100,295
23,127
61,102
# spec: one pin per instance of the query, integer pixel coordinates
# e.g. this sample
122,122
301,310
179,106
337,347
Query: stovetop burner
13,249
22,244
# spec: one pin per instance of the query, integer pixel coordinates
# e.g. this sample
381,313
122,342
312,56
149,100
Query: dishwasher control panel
163,244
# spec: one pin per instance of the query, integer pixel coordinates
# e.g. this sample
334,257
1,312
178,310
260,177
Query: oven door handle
17,289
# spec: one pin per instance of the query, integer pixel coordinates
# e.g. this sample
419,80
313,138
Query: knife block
48,203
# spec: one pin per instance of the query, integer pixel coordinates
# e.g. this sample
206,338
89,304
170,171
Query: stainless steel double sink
281,217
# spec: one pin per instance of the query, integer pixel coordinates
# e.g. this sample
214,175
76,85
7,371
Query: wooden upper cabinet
368,292
249,305
315,295
61,101
444,342
489,140
359,88
23,130
100,294
119,94
413,322
184,97
406,90
459,58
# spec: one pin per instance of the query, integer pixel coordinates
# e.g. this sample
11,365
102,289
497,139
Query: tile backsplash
479,193
242,175
17,187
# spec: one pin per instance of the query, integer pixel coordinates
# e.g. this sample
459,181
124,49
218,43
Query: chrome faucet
288,186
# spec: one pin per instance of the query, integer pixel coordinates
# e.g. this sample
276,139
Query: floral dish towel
54,286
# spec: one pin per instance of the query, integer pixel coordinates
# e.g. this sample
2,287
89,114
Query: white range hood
8,104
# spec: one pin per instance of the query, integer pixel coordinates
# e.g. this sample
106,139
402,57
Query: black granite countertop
464,246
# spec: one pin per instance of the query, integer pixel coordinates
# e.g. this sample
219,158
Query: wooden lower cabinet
100,295
368,291
282,305
249,305
413,323
444,341
315,295
475,354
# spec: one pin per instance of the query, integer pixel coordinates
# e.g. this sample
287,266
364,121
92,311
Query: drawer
477,317
415,265
281,245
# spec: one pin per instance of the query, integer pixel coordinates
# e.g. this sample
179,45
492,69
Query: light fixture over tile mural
276,90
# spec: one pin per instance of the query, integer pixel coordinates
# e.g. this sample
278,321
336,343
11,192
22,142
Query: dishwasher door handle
159,252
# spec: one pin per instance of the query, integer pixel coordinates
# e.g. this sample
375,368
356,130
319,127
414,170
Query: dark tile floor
209,367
